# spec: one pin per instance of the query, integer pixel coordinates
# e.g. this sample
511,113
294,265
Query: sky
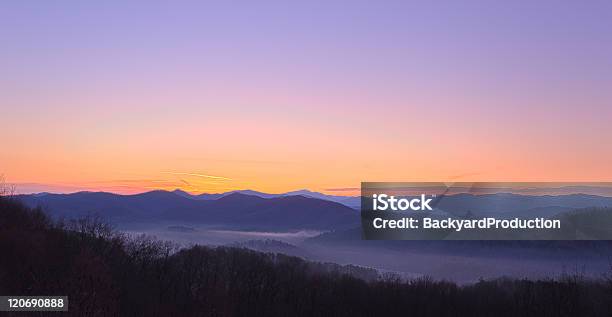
212,96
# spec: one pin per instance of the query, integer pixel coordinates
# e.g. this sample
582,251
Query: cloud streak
198,175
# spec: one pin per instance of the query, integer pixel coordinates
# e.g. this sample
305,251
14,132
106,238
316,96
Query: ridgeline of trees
105,273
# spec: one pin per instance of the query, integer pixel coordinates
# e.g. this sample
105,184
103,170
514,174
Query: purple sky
283,95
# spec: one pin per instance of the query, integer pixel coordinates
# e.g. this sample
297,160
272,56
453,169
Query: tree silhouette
105,273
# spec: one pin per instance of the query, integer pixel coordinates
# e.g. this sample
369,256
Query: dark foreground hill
107,274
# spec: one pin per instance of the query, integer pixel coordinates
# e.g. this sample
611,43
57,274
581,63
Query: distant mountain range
506,203
235,210
349,201
251,210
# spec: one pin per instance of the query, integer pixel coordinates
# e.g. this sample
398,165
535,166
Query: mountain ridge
235,210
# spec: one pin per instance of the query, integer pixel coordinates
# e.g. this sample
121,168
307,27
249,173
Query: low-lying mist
449,260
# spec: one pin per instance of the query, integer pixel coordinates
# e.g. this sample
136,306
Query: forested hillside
105,273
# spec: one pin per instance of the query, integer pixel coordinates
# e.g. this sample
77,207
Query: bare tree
6,190
93,225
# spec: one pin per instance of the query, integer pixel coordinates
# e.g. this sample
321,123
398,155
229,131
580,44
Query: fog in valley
459,261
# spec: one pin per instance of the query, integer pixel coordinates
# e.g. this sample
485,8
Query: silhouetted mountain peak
156,194
239,197
183,193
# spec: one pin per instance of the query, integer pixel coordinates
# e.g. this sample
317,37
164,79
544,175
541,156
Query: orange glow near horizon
283,153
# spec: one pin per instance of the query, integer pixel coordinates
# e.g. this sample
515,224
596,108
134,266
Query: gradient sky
277,96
